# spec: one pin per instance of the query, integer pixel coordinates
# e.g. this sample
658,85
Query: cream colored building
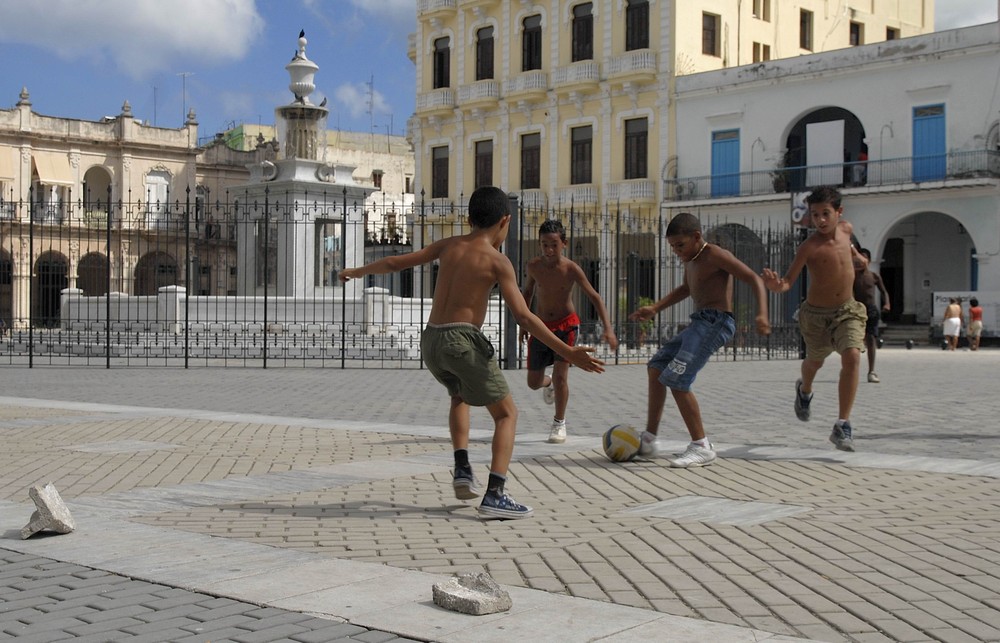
566,102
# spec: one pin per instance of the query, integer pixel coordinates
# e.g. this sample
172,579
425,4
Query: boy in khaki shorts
829,319
460,356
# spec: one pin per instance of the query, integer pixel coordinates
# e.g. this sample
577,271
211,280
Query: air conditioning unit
682,190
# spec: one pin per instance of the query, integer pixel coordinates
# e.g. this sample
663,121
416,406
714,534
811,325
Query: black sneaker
842,437
466,485
500,505
802,402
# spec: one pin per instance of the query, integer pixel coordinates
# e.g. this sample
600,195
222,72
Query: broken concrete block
474,593
51,513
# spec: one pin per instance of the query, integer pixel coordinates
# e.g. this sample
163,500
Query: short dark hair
825,194
487,205
973,302
684,223
553,225
867,253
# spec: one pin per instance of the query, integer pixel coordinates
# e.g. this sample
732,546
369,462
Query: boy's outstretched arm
680,293
774,283
394,263
576,355
741,271
602,311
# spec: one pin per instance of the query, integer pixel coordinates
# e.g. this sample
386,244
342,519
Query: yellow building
567,103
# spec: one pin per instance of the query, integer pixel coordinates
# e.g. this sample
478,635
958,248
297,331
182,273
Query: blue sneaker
465,484
842,436
802,402
500,505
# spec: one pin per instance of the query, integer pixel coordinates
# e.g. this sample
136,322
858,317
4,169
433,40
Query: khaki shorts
826,330
460,357
975,328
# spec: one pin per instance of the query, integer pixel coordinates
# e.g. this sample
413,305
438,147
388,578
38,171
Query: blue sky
226,58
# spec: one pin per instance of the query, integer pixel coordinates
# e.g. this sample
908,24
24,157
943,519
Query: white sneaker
648,445
873,378
549,394
557,435
695,456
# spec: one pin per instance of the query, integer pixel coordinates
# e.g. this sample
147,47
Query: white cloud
400,15
951,14
353,99
136,36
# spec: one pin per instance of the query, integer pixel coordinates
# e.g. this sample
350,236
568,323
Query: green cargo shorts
826,330
461,357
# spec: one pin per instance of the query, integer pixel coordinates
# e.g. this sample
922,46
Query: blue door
726,163
929,152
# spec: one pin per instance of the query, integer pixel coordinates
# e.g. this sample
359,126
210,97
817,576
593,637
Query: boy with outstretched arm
708,280
829,319
550,280
457,352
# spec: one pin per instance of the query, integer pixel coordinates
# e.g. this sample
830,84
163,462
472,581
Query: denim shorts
684,354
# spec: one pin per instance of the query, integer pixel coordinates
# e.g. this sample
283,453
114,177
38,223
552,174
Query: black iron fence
246,281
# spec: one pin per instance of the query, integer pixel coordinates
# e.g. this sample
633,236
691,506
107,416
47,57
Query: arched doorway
92,275
51,277
154,271
924,253
748,248
826,147
96,190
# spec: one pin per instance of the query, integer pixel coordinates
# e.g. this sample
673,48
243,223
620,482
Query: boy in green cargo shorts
460,356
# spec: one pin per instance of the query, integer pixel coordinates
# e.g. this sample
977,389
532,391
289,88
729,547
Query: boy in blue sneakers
457,352
829,319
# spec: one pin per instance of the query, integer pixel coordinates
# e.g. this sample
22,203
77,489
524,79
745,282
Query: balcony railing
481,91
579,74
437,100
637,64
914,170
632,190
526,83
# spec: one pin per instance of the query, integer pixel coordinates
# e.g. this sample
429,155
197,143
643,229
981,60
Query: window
637,25
484,53
709,34
857,34
377,179
581,147
484,163
329,251
408,187
891,33
761,52
442,63
531,161
636,138
762,10
583,32
531,44
806,29
439,173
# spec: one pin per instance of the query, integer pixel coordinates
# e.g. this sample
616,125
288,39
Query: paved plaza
305,504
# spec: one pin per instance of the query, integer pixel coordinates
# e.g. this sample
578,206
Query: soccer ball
621,442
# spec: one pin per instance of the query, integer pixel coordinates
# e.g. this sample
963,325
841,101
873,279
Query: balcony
527,86
482,93
583,194
436,10
583,77
478,6
533,198
632,191
411,47
637,66
907,173
436,101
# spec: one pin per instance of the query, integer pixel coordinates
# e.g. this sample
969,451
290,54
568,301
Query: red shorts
540,355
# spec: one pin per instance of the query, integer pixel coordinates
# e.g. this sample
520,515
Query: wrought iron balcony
914,172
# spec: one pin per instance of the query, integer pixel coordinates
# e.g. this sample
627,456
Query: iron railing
242,282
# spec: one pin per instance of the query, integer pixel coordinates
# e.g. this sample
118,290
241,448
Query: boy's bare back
469,268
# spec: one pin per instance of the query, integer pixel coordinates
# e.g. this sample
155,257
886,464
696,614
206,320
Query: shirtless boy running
550,280
457,352
829,319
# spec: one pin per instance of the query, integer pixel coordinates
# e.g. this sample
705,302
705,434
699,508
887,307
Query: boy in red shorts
550,281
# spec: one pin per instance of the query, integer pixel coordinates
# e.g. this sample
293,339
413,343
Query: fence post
513,249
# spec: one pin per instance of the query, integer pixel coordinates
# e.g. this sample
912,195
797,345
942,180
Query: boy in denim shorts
830,319
457,352
708,277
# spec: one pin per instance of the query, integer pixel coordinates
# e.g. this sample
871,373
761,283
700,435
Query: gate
246,283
